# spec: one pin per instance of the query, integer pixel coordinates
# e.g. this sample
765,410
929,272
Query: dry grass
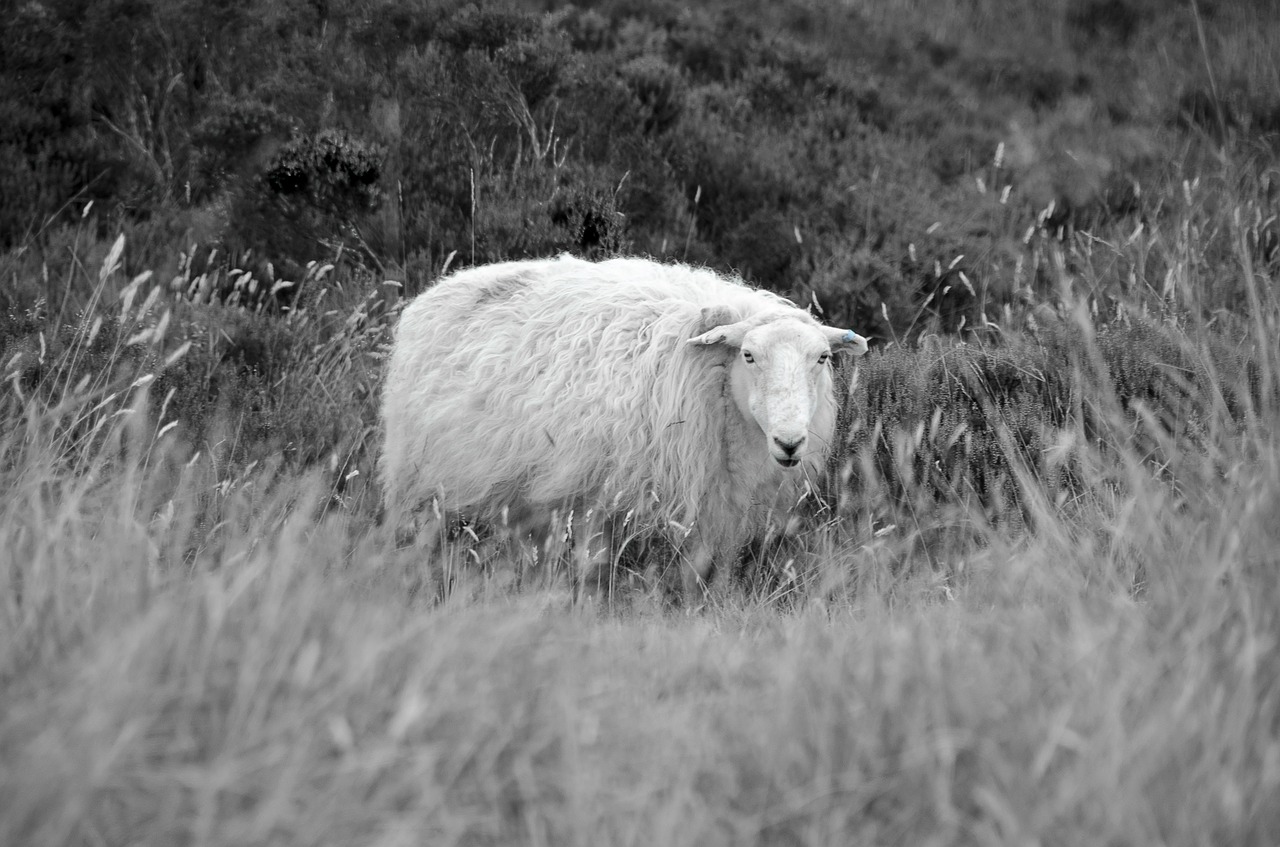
207,638
203,644
284,691
193,657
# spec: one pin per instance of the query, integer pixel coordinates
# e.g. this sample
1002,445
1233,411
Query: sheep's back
529,384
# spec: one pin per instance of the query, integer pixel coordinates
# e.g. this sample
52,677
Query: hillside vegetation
1036,601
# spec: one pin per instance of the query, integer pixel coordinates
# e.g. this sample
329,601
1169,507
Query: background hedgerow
885,158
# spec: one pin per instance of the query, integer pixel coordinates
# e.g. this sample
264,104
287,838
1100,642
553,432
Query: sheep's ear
845,340
716,326
712,317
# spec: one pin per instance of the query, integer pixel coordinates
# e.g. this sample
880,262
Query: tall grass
196,649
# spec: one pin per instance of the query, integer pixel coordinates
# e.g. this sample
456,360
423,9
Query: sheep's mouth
789,462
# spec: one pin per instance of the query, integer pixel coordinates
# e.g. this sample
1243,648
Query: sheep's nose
789,447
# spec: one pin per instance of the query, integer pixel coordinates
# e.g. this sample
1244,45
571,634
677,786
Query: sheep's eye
748,357
824,358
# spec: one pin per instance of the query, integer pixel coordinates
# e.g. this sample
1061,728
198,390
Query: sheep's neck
746,458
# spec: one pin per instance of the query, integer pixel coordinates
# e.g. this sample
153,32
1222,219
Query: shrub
959,427
1114,20
235,139
943,432
311,201
486,28
330,171
590,219
659,90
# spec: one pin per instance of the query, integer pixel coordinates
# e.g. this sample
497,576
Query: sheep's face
779,375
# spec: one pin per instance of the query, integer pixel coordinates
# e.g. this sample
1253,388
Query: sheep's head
778,372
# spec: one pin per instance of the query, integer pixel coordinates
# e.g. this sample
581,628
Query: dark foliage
814,149
974,428
331,172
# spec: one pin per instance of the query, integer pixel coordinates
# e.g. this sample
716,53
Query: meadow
1037,601
204,648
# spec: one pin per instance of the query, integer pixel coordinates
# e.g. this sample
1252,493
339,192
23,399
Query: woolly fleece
524,387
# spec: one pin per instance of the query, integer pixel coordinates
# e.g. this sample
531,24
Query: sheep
660,394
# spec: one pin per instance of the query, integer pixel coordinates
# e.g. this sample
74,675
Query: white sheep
691,404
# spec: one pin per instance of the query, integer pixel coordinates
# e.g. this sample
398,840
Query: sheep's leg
401,521
435,574
418,536
443,560
695,571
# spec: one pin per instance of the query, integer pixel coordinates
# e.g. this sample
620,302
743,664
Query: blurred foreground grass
286,691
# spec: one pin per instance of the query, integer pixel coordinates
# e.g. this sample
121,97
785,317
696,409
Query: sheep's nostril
788,447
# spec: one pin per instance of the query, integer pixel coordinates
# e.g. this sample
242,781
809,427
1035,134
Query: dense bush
833,151
315,192
299,389
983,428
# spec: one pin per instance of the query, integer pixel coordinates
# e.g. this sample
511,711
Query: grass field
1037,602
198,651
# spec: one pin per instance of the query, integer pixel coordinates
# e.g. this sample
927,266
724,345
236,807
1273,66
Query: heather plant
231,144
249,385
314,193
896,154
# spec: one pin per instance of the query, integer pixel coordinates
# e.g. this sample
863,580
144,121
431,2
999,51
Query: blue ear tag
849,335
